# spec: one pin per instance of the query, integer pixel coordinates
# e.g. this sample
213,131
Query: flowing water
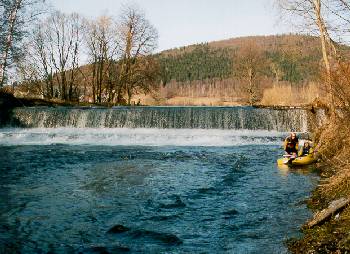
165,118
147,190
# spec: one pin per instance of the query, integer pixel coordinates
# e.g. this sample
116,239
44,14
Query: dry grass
333,147
287,95
200,101
231,92
149,100
153,100
225,89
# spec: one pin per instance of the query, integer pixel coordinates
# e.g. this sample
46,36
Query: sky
184,22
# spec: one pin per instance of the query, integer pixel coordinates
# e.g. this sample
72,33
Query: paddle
289,158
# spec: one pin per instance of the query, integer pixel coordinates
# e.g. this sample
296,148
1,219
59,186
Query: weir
237,118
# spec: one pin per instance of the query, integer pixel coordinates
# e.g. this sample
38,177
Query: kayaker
291,145
306,150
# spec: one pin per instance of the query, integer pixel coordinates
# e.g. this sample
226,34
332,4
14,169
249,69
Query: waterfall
247,118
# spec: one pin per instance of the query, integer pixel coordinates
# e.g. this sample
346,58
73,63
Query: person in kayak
291,145
306,149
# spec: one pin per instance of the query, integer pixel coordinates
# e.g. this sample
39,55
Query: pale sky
185,22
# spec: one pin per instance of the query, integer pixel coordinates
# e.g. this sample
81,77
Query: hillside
295,55
241,71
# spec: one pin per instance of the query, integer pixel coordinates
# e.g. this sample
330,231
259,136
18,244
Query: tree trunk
94,81
51,86
9,40
251,89
324,41
129,97
100,80
333,208
64,86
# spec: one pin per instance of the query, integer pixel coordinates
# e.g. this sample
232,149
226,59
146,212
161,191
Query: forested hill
293,58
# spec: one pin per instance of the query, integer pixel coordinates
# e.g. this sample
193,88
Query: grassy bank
229,93
333,234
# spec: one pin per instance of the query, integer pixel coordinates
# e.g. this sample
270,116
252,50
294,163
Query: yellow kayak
299,161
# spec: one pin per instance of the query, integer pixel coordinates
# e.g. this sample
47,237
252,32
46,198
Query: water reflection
285,170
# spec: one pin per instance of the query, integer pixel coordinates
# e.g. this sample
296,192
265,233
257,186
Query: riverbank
331,235
8,100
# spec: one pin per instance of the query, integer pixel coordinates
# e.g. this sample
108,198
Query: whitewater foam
138,137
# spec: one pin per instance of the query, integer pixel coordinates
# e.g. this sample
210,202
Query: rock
165,238
177,204
230,213
118,229
106,250
97,249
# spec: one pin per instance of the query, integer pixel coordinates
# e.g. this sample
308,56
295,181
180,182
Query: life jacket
292,144
306,150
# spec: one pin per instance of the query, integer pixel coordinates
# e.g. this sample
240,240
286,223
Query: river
71,189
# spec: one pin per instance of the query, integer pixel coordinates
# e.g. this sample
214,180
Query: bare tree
143,77
37,62
30,78
137,39
248,63
119,66
327,18
14,17
101,44
277,71
64,41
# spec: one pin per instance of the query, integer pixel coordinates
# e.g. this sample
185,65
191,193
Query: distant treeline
285,61
200,63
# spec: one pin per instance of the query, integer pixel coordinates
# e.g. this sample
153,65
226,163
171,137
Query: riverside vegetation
332,138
